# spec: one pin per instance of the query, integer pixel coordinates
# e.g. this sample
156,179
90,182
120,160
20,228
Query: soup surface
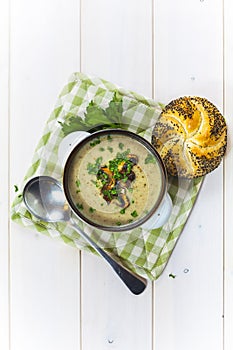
114,180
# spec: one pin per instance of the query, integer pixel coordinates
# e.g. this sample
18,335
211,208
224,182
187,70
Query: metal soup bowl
110,200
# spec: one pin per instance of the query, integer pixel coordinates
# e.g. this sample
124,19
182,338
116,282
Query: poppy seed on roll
190,136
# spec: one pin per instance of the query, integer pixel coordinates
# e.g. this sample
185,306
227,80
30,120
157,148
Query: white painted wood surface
53,296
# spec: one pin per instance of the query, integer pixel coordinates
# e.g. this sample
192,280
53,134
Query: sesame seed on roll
190,136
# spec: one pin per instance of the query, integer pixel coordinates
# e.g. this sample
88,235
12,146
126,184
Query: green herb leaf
134,214
79,206
16,188
77,183
95,117
150,159
92,210
115,110
95,142
73,123
94,168
123,155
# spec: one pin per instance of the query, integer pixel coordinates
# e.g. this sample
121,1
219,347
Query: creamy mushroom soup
114,180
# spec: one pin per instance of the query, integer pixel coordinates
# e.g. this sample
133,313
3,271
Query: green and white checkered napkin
144,252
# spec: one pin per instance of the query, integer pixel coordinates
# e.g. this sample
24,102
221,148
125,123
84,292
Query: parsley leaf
95,117
150,159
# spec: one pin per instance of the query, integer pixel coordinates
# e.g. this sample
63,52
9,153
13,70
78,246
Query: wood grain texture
228,198
191,304
4,170
45,276
188,61
112,317
45,288
117,42
53,296
116,45
188,49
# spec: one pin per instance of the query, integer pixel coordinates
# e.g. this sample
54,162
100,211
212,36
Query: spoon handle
135,283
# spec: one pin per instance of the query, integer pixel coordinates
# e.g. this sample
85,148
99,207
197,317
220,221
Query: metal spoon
45,199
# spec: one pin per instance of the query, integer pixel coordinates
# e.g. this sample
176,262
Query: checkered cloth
144,252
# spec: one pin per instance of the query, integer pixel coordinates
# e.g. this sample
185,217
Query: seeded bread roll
190,136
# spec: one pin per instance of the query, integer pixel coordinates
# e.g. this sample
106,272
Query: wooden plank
189,307
45,293
116,45
44,273
4,237
188,49
188,61
44,53
228,202
117,42
111,315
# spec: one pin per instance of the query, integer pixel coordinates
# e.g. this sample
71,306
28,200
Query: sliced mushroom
108,194
123,184
105,173
123,200
131,176
133,158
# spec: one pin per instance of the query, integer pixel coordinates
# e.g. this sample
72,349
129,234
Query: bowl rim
145,143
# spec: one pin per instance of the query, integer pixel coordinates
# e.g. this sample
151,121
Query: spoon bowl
45,199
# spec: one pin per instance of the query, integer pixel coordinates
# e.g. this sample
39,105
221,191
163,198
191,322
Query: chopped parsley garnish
120,167
134,214
92,210
122,211
125,179
95,183
110,149
95,142
121,145
79,206
77,183
109,138
118,223
150,159
101,149
93,168
124,154
109,194
116,176
17,190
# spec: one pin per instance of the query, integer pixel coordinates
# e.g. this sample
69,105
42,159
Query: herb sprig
96,118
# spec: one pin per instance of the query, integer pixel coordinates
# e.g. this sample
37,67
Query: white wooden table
52,296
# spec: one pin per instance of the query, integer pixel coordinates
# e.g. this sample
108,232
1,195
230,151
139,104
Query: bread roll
190,136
